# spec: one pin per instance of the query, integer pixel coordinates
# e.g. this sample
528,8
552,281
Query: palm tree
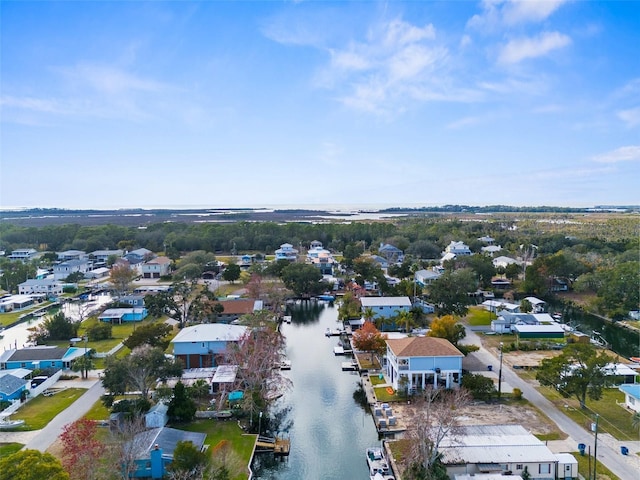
369,314
406,319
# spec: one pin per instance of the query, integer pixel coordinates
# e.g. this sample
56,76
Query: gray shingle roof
9,384
38,353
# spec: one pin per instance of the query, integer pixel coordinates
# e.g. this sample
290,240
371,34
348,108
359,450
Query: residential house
382,262
64,269
418,362
487,239
500,283
286,252
506,320
153,450
536,332
198,346
457,249
101,256
156,268
539,306
425,278
133,300
119,315
491,250
234,309
48,287
40,357
391,253
15,302
23,254
321,258
386,307
631,395
504,262
559,285
138,256
157,416
71,255
502,449
496,306
11,387
100,272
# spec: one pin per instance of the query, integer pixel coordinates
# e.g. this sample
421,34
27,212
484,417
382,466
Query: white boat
5,423
285,365
379,468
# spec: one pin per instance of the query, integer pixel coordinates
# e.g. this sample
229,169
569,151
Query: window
545,468
519,466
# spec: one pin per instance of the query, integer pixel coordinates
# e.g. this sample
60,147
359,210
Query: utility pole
595,448
500,373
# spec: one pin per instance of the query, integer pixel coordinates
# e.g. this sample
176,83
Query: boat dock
279,446
351,366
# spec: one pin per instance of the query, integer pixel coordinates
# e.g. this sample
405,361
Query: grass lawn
376,380
41,410
383,395
7,449
614,419
98,412
478,316
219,431
603,473
11,317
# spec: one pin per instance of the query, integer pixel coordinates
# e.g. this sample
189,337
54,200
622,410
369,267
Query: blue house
386,307
391,253
39,357
197,346
11,387
119,315
423,361
155,448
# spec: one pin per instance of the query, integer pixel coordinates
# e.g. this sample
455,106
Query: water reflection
323,415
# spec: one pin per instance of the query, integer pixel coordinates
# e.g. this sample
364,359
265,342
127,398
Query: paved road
625,467
45,437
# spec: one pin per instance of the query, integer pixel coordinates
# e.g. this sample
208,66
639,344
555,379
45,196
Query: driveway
625,467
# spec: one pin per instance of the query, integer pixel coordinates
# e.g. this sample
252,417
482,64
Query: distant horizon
312,207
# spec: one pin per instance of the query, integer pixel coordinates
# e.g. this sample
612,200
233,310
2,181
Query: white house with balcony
71,255
64,269
458,249
23,254
418,362
286,252
44,286
156,268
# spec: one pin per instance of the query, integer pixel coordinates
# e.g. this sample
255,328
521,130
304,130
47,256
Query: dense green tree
350,307
31,465
56,327
14,273
182,408
99,331
479,386
449,293
303,279
153,334
138,371
231,272
579,371
160,304
351,252
369,339
512,271
619,292
188,461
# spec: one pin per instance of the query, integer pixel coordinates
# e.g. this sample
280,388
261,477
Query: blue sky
140,104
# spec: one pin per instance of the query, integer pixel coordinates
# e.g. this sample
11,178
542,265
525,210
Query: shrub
517,393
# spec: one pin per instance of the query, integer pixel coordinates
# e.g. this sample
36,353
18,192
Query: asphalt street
627,467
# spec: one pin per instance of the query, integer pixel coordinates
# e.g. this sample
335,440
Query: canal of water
324,414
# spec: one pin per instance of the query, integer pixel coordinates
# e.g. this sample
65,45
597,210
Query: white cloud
400,33
532,47
630,116
111,80
498,13
630,153
465,41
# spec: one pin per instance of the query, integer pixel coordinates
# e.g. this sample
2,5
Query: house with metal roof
422,362
386,306
286,252
40,357
502,449
44,286
119,315
631,395
66,268
197,346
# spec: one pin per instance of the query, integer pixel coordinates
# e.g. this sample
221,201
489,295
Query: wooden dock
279,446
